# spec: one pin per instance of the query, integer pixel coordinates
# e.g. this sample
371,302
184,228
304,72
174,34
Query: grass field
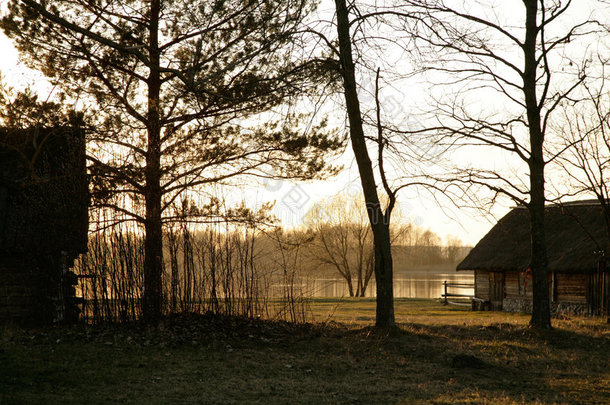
439,355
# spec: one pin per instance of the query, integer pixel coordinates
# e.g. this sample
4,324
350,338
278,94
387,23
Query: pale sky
294,199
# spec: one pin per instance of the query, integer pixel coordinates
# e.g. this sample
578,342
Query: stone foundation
525,305
516,305
571,308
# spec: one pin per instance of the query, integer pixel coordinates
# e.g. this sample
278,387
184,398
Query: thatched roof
575,234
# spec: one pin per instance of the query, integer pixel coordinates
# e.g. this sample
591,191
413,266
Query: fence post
445,285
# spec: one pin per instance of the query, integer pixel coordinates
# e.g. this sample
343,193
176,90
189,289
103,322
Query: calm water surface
411,285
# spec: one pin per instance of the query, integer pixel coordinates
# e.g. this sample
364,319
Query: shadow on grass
215,359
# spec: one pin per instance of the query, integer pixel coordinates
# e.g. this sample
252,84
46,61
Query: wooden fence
448,294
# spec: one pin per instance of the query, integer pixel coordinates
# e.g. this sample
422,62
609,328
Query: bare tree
364,32
454,250
584,132
342,240
503,77
378,214
172,91
284,263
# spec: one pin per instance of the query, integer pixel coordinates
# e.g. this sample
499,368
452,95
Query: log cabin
577,242
43,222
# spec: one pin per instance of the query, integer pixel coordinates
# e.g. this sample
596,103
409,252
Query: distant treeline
406,257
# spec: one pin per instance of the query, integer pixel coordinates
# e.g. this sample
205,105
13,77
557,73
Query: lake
406,285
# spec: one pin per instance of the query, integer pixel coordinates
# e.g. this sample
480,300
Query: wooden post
445,285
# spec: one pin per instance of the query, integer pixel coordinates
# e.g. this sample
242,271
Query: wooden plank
511,284
572,298
497,289
571,287
481,280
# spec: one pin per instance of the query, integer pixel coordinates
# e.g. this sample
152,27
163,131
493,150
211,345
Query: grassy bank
441,355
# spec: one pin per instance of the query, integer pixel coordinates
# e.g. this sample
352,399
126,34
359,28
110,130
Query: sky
293,199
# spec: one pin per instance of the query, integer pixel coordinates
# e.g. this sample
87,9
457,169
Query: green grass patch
339,359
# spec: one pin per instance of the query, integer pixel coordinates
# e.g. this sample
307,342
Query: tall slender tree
357,49
379,217
172,90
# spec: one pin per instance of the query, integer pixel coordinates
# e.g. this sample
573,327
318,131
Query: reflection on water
416,285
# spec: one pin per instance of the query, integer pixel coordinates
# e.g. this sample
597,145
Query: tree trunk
360,281
381,232
173,254
541,311
153,246
384,275
541,314
350,283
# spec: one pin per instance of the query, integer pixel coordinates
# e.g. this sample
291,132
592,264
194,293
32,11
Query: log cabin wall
497,291
481,284
518,292
598,292
515,299
567,291
27,292
571,288
15,290
513,287
43,221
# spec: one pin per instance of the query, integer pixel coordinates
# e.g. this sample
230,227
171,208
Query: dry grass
409,311
212,360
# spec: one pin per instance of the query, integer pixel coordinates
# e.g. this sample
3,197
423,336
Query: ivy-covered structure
43,222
